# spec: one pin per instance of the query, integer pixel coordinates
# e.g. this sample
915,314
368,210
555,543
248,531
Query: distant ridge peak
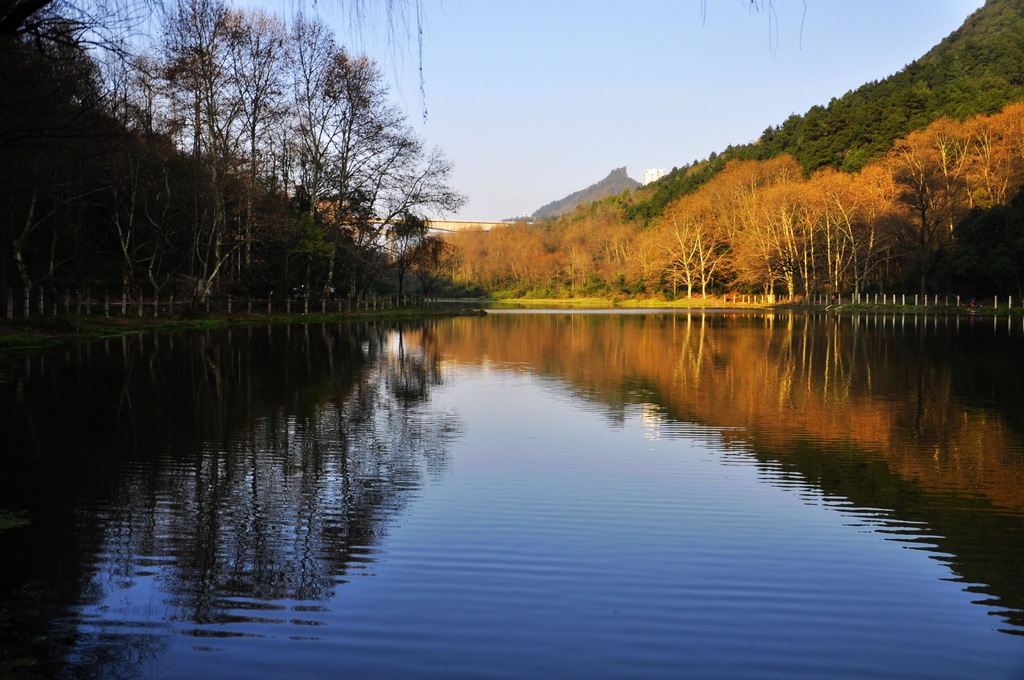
615,183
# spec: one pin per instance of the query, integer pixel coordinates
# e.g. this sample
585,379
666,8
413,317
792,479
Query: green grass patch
630,303
39,332
12,520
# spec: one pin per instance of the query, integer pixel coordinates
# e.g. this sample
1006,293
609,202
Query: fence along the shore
888,299
27,302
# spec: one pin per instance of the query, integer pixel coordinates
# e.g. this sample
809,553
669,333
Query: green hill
977,69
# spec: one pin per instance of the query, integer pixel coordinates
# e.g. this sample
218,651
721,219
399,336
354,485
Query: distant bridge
451,226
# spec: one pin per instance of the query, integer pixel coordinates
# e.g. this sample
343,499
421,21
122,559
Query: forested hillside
979,68
914,184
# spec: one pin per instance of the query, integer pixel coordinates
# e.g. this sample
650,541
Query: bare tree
256,55
312,50
197,43
361,167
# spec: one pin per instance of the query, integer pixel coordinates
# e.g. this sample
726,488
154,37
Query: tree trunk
17,244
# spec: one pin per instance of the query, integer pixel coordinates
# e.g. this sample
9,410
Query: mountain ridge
614,184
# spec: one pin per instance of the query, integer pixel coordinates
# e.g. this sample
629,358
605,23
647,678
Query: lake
520,495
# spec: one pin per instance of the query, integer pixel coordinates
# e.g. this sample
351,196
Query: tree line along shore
87,319
237,152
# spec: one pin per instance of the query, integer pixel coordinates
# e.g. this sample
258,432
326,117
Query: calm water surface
520,496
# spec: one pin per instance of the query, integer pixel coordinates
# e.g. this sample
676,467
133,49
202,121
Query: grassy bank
45,331
741,303
630,303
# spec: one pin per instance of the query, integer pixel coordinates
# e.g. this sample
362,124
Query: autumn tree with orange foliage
762,225
854,212
693,242
928,169
738,194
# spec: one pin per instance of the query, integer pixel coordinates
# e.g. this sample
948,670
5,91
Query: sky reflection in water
519,496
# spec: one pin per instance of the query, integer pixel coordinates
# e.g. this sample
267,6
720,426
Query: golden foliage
772,382
762,226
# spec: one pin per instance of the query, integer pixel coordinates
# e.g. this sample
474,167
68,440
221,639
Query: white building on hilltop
652,174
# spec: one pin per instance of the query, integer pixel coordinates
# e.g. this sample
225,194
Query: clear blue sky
534,99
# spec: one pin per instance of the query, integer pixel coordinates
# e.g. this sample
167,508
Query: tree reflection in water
236,474
917,419
203,487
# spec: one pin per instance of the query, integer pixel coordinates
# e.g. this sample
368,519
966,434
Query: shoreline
721,304
40,332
